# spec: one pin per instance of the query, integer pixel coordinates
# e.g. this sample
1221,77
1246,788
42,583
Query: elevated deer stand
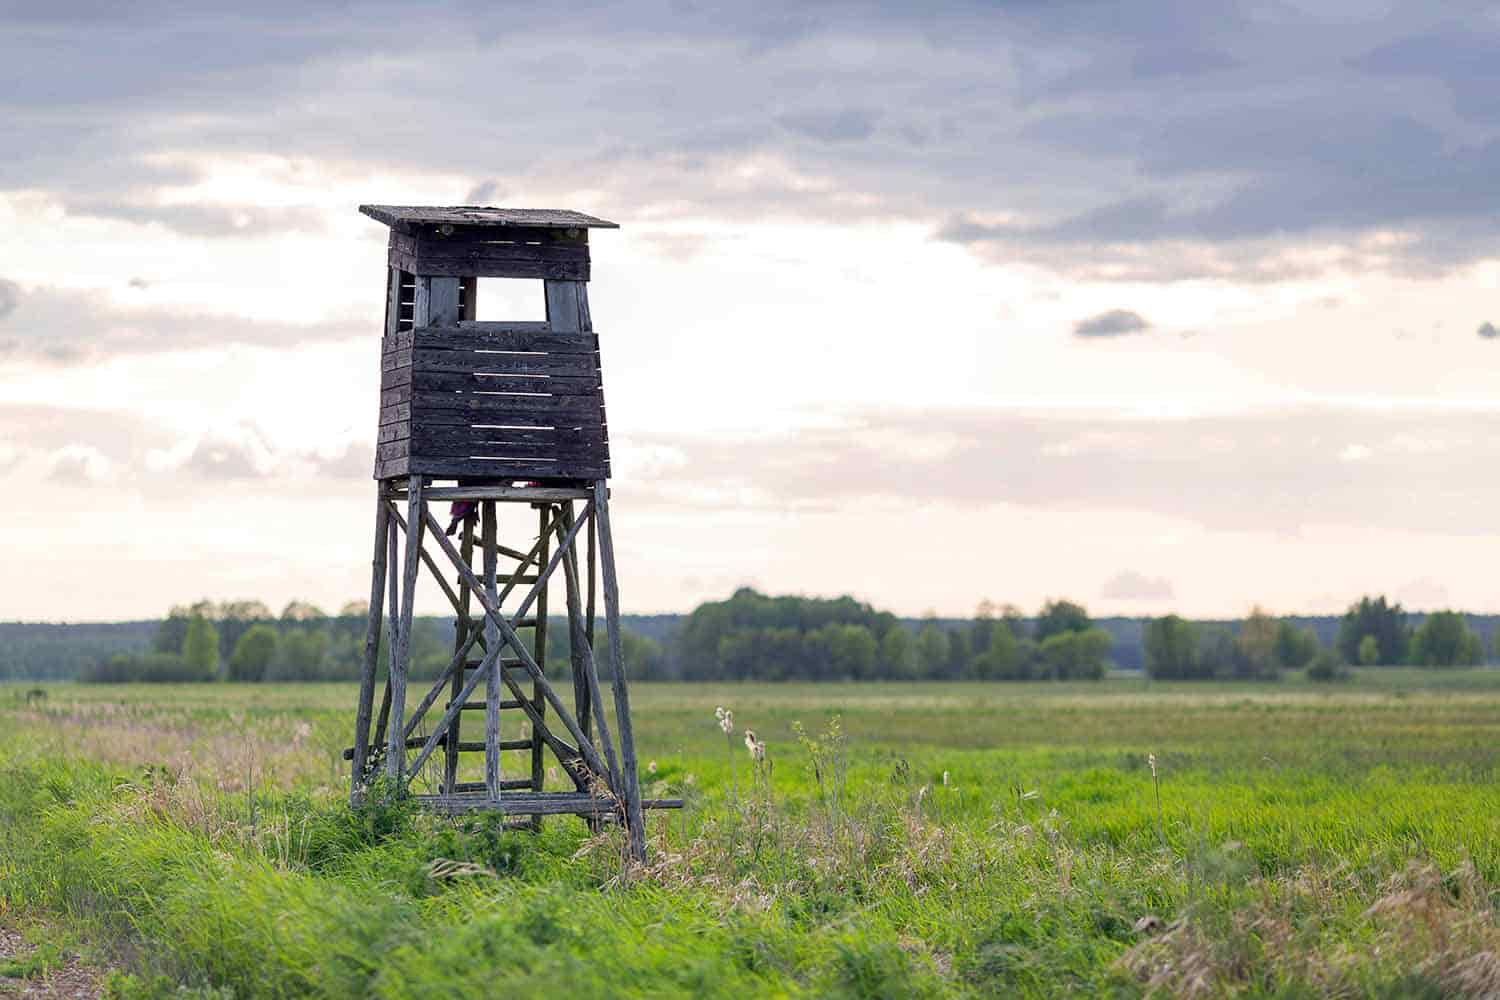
501,415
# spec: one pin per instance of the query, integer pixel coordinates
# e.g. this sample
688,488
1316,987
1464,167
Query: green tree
1001,661
1386,623
1058,617
302,611
1295,647
253,653
852,651
1445,640
1171,645
1368,651
932,651
1076,654
898,653
200,647
299,655
1216,652
1326,666
1255,648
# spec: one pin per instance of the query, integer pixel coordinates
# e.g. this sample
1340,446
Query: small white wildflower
756,748
719,713
946,783
651,767
726,722
1151,759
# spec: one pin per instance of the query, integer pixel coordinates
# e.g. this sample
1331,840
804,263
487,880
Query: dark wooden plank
631,790
406,216
490,382
565,437
437,300
395,377
395,413
502,337
398,341
505,469
494,409
400,358
392,432
574,365
562,305
490,243
392,469
494,450
430,266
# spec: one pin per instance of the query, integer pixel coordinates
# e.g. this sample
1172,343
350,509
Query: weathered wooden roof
402,216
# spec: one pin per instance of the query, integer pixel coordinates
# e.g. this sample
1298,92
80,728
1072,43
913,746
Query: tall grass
1306,843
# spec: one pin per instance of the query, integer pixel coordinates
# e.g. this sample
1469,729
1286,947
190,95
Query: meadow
898,840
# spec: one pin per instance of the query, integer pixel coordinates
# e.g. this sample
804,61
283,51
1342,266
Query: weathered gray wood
451,433
481,244
589,665
563,313
536,804
510,638
491,642
405,217
452,672
393,625
508,493
436,302
432,392
427,560
483,446
401,653
392,301
481,337
372,654
539,650
630,790
463,468
464,635
488,668
513,363
477,263
576,627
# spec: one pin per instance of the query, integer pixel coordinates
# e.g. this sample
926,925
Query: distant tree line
1372,633
754,636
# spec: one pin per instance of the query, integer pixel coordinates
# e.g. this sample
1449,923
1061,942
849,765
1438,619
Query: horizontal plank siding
493,400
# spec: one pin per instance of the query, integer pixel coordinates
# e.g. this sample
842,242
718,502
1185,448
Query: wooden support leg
395,759
577,633
491,644
590,671
460,645
539,646
372,654
630,789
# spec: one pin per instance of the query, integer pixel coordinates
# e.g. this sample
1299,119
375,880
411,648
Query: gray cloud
1114,323
1128,585
63,326
1301,125
1289,471
483,193
10,297
205,220
1488,331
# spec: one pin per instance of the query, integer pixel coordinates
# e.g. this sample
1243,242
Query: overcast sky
1155,306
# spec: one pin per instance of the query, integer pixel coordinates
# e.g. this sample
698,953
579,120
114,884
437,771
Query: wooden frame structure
495,416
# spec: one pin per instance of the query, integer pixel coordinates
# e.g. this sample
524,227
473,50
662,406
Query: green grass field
1307,841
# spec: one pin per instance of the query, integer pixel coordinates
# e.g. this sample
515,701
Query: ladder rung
478,706
478,623
506,785
508,662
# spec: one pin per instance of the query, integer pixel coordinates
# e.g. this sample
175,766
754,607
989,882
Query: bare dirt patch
68,979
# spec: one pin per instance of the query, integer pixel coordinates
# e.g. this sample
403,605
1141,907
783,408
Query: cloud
1115,323
79,465
1277,472
1488,331
1128,585
66,326
1078,129
10,297
840,125
483,193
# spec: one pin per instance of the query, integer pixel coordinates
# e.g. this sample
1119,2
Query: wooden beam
372,653
401,655
631,791
590,673
509,635
492,647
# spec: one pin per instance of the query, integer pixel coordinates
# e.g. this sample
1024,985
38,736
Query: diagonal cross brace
475,634
509,637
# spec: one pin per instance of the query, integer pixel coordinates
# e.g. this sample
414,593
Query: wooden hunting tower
492,416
